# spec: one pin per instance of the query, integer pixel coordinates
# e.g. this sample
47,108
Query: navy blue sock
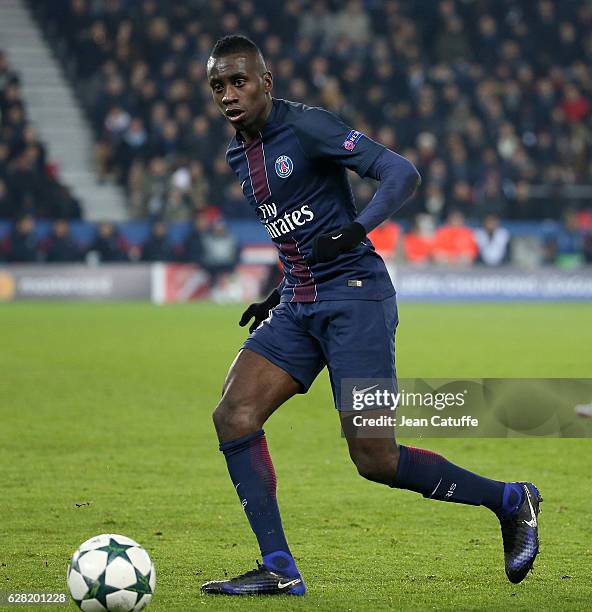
435,477
512,500
253,476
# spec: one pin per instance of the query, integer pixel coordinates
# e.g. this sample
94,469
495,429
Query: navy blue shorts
353,338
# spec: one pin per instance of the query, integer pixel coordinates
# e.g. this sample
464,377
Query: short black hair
234,43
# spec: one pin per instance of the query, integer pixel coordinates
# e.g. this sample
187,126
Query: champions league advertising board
164,283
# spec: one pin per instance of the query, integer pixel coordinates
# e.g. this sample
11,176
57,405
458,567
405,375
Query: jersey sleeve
323,136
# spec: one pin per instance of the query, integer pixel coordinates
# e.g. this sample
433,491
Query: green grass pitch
105,427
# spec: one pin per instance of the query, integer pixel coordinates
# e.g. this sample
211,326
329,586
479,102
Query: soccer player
335,307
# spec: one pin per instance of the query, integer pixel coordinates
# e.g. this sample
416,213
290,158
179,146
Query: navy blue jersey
294,175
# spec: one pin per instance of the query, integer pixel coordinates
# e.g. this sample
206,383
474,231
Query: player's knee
365,469
375,465
233,419
368,468
217,418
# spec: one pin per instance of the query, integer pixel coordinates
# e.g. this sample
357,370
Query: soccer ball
111,572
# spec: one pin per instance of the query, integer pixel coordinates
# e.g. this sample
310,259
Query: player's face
240,87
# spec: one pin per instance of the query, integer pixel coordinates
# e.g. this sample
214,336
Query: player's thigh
284,341
359,347
277,361
253,390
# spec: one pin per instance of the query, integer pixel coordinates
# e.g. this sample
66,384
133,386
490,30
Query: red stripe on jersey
305,289
257,171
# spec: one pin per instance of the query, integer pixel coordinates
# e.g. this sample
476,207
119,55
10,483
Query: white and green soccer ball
111,572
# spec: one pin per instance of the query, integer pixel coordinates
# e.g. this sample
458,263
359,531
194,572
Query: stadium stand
29,182
491,100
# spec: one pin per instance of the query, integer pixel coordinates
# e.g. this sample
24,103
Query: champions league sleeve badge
284,166
349,144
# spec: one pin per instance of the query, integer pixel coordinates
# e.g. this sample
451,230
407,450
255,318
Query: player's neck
253,131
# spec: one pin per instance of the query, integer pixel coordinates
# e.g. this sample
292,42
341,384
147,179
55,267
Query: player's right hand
260,311
327,247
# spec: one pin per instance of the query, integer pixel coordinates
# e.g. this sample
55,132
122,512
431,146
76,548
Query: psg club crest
284,166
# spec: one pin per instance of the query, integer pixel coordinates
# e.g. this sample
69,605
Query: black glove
326,247
260,310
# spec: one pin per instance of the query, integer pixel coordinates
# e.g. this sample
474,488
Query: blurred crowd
206,242
454,243
491,99
28,183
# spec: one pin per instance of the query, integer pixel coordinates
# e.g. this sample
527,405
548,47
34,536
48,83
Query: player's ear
267,82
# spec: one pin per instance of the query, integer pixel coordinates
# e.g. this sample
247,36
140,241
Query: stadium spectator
490,199
385,239
566,245
461,199
149,189
8,208
186,191
350,25
23,244
193,247
109,245
62,248
116,126
220,250
452,44
454,242
158,247
418,242
493,241
575,106
24,181
315,23
133,145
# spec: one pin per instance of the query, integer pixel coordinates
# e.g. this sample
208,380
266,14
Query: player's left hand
260,311
327,247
